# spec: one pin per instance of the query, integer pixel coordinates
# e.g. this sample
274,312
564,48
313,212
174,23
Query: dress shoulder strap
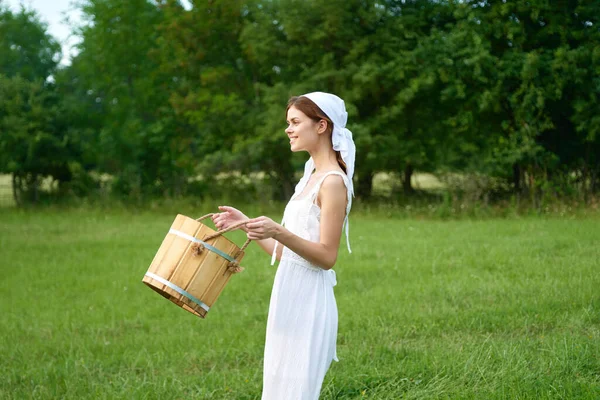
315,190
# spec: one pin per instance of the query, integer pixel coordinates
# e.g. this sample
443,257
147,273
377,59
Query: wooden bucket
193,264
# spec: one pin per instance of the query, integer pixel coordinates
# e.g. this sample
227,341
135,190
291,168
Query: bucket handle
234,266
228,229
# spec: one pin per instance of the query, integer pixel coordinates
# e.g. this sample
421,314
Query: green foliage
163,99
26,49
529,108
116,80
32,143
212,92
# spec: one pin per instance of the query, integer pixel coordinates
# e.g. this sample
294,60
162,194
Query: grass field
495,309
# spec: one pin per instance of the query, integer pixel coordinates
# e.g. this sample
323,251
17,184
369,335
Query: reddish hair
312,111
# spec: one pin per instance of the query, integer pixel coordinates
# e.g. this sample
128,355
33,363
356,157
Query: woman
302,323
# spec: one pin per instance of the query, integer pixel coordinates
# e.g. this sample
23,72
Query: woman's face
301,130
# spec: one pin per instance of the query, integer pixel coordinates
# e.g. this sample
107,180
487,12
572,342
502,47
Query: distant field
496,309
6,196
384,183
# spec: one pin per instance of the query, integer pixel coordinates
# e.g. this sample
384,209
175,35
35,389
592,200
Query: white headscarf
341,139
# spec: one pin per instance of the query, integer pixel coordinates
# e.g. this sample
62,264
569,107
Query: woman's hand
228,217
262,228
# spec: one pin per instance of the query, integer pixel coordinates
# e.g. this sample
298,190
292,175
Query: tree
545,67
212,91
117,79
396,90
26,48
298,47
32,143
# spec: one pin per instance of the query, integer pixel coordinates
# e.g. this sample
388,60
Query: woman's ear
322,126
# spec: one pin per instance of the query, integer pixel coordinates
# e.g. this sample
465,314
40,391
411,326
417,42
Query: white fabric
341,138
303,318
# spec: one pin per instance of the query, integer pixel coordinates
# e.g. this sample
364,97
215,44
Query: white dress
303,318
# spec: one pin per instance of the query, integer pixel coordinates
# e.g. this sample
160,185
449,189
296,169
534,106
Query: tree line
164,100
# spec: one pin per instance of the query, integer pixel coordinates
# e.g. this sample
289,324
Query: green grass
495,309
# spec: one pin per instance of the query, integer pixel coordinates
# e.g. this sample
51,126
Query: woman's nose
288,129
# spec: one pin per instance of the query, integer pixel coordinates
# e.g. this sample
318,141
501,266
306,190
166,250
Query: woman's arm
332,196
230,215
